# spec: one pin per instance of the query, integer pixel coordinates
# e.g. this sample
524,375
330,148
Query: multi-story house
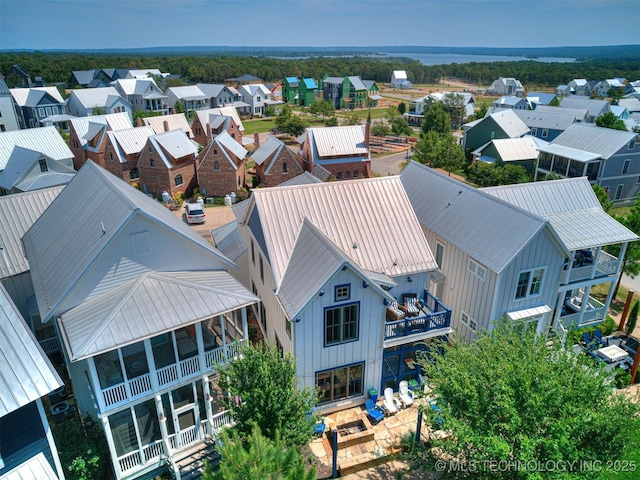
546,124
345,92
256,96
212,121
415,114
343,151
399,79
166,164
88,136
603,87
594,107
143,95
97,101
123,150
219,95
610,158
503,123
38,103
330,262
143,331
32,159
511,101
220,166
27,447
276,163
542,267
190,97
175,121
299,92
506,86
9,117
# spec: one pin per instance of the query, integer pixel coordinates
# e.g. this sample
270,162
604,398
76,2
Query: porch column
148,350
50,441
162,420
200,342
566,172
207,402
224,332
623,251
112,447
596,259
245,326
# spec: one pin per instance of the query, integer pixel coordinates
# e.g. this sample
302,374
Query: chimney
366,134
208,131
139,122
166,125
256,139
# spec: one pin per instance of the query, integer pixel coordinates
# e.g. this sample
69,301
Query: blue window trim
335,292
364,371
324,324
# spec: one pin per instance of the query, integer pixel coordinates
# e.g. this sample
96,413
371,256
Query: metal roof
94,97
176,143
229,241
580,113
210,90
400,74
357,83
292,81
593,106
176,121
267,149
514,149
310,83
489,230
230,144
548,120
314,260
160,302
331,142
36,467
508,100
305,178
510,123
45,180
26,372
603,141
44,139
30,97
568,152
188,92
100,204
571,207
136,86
204,115
540,98
131,140
17,213
370,220
115,121
4,89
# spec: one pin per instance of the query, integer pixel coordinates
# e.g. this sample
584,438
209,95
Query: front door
186,415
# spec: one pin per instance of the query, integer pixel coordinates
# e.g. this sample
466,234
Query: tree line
56,67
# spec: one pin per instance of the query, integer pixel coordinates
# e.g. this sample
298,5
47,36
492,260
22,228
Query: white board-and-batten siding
310,351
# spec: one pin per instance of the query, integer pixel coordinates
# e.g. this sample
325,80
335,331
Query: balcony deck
607,265
433,316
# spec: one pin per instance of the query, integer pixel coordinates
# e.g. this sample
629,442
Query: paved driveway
215,217
389,165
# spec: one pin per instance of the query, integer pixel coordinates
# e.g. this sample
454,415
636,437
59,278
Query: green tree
555,102
258,457
483,174
265,382
451,154
453,104
402,108
633,318
269,111
98,111
399,126
283,117
391,113
352,119
631,261
436,119
427,150
379,129
510,174
603,197
178,107
510,396
609,120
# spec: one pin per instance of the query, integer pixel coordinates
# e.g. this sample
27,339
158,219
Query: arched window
178,180
355,174
216,165
347,175
133,174
284,167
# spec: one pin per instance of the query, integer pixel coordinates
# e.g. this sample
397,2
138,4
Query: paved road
389,165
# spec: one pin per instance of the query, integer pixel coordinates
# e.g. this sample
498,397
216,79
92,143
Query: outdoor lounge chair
588,342
394,312
391,404
406,395
374,412
411,304
597,335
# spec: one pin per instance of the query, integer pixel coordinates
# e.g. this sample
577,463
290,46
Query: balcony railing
607,265
433,316
50,345
594,312
167,376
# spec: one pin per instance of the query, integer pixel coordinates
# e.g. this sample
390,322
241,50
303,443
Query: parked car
195,213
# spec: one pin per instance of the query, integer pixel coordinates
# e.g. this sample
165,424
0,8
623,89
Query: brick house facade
276,163
214,121
220,166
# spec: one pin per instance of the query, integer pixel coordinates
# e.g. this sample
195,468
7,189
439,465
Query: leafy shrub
622,378
85,454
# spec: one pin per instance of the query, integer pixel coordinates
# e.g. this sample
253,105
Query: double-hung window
341,324
477,269
529,283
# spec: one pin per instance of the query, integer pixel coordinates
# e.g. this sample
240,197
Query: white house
143,95
142,330
399,79
8,113
327,259
506,86
85,102
256,96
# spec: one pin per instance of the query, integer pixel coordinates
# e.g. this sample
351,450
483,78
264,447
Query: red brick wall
159,178
76,148
199,131
218,182
363,169
276,175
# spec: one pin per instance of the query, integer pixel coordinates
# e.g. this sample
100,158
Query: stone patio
386,439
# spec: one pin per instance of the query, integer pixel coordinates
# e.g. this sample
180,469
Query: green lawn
260,125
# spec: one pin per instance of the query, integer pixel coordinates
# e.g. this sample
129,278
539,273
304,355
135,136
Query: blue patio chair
597,334
588,342
438,420
319,426
374,412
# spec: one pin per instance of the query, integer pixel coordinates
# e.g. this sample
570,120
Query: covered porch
567,162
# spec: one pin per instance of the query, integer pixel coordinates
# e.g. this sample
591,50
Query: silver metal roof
267,149
187,92
131,140
17,213
174,142
593,106
305,178
44,139
115,121
229,241
568,152
204,115
514,149
94,97
37,467
175,121
26,372
160,302
314,259
370,220
335,141
580,113
551,121
603,141
357,83
469,218
230,144
100,204
510,122
29,97
572,208
45,180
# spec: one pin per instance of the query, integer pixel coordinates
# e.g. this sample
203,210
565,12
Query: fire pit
354,432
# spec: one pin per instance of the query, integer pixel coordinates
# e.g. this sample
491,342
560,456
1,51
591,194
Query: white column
200,342
112,447
50,440
162,420
245,326
96,384
207,402
148,350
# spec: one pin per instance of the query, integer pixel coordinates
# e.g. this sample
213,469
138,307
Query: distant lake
449,58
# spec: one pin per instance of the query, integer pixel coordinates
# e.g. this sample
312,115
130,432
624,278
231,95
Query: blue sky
93,24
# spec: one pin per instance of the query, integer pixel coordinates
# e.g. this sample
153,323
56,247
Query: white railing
167,375
115,394
607,264
153,450
129,461
222,419
50,345
189,436
140,385
190,366
222,354
137,458
594,312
